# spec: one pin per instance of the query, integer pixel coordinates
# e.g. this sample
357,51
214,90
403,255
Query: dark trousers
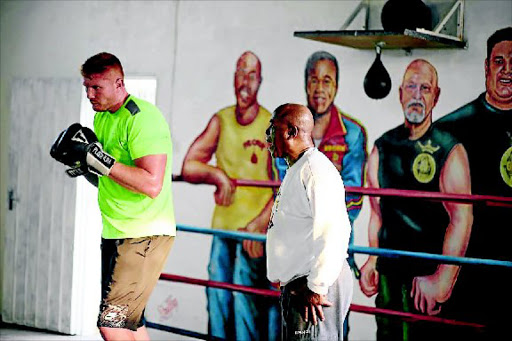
293,325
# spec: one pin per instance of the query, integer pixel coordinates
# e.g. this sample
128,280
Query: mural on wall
451,155
236,136
464,152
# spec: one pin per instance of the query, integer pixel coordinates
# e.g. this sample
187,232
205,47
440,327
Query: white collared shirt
309,229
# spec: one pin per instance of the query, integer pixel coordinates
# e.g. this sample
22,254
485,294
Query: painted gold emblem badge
506,166
424,165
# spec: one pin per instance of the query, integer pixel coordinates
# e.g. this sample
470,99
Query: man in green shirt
131,163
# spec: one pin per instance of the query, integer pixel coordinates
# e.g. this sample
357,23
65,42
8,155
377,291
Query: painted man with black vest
415,156
484,127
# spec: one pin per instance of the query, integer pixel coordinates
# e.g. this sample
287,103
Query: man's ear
292,131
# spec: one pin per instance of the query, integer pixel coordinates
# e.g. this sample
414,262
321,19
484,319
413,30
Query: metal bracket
363,5
458,7
459,4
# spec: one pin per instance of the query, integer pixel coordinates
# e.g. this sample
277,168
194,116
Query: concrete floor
11,332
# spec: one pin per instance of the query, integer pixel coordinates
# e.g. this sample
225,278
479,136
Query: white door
52,261
40,225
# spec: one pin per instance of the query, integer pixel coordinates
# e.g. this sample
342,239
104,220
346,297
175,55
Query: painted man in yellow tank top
236,135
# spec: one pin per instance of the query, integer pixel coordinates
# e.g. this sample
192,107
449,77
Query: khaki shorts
130,270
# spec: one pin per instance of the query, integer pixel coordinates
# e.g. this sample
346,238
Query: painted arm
196,169
260,223
429,291
146,177
257,225
352,174
369,281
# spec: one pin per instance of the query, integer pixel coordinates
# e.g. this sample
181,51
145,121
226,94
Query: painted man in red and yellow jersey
236,135
341,138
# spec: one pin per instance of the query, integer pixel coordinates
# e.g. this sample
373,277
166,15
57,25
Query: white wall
45,38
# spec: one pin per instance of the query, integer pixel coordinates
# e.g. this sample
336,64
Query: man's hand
369,281
313,304
224,194
428,294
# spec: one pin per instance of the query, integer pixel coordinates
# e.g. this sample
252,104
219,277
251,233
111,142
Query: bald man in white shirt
308,233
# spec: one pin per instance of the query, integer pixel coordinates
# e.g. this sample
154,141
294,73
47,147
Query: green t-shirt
137,129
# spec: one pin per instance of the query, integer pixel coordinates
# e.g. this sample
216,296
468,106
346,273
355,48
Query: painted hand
224,194
369,280
253,248
428,294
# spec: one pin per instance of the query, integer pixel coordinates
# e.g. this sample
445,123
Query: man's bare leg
141,334
117,334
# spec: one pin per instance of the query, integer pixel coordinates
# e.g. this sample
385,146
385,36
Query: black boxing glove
69,147
72,148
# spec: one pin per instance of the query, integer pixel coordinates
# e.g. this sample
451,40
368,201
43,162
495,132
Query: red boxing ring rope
437,196
353,307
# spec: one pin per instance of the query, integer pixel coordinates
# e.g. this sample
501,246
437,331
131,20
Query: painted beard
414,116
